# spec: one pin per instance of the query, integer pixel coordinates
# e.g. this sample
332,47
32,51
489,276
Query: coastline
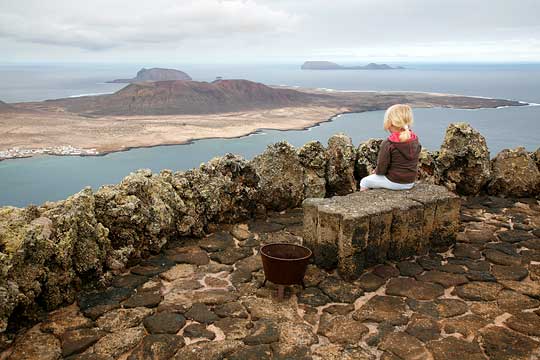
256,131
225,125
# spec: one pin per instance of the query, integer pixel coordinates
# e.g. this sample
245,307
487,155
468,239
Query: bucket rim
310,254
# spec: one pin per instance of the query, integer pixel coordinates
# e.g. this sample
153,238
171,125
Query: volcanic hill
186,97
155,74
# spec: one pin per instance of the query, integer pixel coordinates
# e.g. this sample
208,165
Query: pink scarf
394,137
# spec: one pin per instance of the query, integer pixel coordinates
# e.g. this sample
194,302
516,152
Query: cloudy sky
212,31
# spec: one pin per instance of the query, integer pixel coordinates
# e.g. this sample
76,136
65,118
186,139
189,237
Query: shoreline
252,133
191,141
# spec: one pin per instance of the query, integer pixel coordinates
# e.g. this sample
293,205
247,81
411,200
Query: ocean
49,178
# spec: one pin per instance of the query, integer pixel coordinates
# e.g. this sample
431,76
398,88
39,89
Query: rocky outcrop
463,163
48,251
427,166
141,212
366,157
536,156
228,187
313,158
514,173
340,168
281,176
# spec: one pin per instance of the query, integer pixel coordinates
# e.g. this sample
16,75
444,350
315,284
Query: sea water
38,179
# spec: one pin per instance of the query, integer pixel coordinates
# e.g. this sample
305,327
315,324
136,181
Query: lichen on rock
340,168
427,166
514,173
230,191
536,157
313,158
366,157
281,176
463,161
60,245
141,211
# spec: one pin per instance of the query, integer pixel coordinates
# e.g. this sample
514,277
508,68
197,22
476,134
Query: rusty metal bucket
285,264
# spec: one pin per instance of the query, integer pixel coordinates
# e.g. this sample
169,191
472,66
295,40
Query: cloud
165,21
266,30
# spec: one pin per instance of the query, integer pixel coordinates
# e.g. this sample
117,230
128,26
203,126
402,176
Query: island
328,65
176,112
154,74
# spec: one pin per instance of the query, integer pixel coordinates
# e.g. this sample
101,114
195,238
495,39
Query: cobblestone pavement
202,299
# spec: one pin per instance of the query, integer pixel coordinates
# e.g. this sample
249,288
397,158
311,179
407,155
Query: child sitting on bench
397,162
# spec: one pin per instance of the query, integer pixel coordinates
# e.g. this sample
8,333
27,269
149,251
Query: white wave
89,94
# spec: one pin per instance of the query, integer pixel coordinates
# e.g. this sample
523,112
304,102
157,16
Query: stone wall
48,252
362,229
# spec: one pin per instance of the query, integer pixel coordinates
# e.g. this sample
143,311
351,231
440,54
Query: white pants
380,181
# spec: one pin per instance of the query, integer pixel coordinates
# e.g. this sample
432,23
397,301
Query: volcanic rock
341,329
164,323
201,313
207,350
404,346
514,174
157,347
263,332
503,343
525,322
35,345
413,289
339,290
122,318
423,327
119,342
313,158
233,328
282,176
450,348
389,309
478,291
366,157
76,341
341,162
197,331
463,162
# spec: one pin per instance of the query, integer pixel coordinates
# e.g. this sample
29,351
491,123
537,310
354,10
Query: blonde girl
397,161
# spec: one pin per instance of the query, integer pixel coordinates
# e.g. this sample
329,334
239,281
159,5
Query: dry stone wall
48,252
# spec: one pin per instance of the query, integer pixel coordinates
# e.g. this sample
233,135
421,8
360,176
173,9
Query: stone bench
358,230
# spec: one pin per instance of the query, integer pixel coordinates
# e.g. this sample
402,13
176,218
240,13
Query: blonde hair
399,117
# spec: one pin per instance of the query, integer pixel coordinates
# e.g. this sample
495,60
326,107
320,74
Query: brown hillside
5,107
186,97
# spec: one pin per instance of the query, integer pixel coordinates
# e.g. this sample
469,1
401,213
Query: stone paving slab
457,304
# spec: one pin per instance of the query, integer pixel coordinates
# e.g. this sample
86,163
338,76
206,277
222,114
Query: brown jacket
399,160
